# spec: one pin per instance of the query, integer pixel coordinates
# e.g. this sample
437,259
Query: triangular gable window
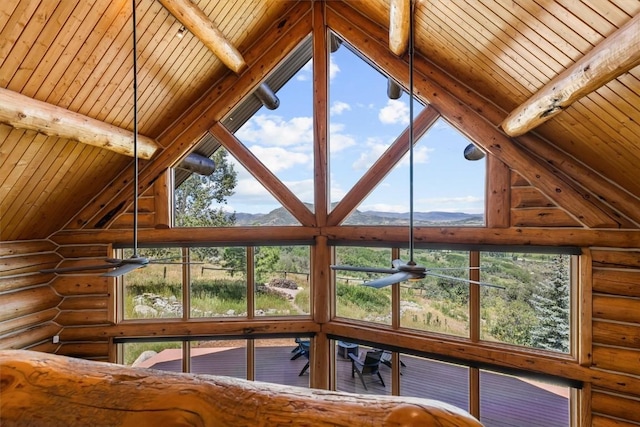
367,115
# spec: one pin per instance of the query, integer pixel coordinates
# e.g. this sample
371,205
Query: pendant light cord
411,52
135,133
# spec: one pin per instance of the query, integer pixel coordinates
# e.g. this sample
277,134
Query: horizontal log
11,283
616,308
44,347
89,302
620,407
364,234
81,285
24,322
30,336
529,197
84,334
542,217
24,247
107,394
178,327
598,420
25,264
617,334
84,251
616,282
85,350
615,259
23,302
83,317
617,359
191,236
485,236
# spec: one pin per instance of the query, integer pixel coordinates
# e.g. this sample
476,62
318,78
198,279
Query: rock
145,311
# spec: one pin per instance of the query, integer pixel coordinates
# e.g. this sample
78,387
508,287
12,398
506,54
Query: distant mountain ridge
281,216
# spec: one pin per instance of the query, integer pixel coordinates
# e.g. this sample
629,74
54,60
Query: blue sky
363,123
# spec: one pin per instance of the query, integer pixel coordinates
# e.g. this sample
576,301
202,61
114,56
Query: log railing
40,389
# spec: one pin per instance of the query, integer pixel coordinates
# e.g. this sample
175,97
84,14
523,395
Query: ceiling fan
122,266
403,271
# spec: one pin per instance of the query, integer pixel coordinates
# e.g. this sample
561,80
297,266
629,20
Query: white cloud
385,207
339,107
395,112
420,155
303,189
334,69
272,130
338,140
277,159
368,156
305,72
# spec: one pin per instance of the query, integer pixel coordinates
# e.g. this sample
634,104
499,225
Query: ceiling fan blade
127,265
460,279
78,268
123,269
365,269
398,277
160,261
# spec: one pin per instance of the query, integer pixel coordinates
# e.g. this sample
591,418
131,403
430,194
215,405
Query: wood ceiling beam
399,12
199,24
366,235
22,112
614,56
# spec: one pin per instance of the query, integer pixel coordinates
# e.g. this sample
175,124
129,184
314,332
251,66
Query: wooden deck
505,400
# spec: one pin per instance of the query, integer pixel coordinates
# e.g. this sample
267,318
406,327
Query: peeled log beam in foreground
612,57
199,24
22,112
40,389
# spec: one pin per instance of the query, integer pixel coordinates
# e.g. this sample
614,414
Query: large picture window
525,298
213,282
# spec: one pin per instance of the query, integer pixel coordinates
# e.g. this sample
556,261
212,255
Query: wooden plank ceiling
77,55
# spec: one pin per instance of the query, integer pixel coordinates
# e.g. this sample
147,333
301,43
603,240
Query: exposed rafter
199,24
22,112
614,56
399,11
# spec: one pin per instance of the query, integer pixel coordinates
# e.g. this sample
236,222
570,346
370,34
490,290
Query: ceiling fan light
472,152
394,90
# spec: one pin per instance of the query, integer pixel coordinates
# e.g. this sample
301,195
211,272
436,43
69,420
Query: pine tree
550,301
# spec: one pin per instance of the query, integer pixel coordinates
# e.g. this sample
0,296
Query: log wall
616,332
37,307
29,305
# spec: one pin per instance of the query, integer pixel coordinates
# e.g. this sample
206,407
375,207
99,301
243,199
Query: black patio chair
300,349
304,346
369,366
